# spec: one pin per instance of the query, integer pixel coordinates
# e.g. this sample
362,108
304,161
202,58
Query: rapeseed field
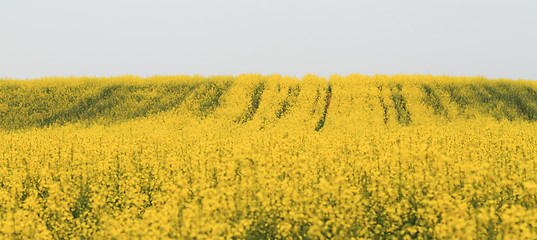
268,157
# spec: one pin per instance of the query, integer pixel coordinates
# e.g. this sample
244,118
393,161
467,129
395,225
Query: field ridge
59,101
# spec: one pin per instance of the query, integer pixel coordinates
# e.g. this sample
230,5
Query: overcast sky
104,38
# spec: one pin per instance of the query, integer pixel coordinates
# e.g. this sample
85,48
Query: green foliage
26,106
255,101
501,99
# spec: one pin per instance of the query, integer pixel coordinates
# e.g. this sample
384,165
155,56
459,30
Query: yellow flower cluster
268,157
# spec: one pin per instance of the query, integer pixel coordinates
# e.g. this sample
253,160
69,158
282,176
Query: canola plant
268,157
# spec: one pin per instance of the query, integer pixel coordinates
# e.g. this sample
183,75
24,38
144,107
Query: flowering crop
268,157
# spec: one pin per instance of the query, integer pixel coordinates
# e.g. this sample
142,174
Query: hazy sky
104,38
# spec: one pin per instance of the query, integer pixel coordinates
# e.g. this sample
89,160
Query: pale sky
293,37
